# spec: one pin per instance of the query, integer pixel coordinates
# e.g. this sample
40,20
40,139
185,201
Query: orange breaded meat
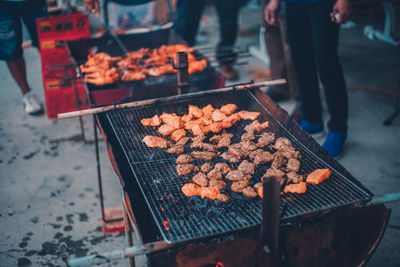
178,134
228,109
299,188
154,121
318,176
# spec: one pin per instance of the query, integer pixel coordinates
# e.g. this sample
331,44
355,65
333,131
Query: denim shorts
11,14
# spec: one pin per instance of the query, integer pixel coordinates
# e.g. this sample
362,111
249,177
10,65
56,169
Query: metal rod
170,98
384,199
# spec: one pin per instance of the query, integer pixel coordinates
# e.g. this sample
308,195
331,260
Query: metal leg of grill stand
96,144
128,233
396,111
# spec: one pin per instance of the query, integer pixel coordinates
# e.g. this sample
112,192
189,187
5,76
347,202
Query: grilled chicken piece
234,118
222,197
203,155
228,109
222,167
260,191
217,183
154,121
239,185
279,161
183,141
184,158
217,115
208,110
293,165
197,130
318,176
178,134
266,139
223,140
258,185
186,117
204,146
155,141
214,175
197,66
247,136
183,169
102,77
299,188
172,120
231,157
256,126
249,192
216,127
260,156
248,115
190,190
195,111
176,149
282,143
236,175
165,130
294,178
132,75
210,192
206,167
248,145
200,179
246,167
274,172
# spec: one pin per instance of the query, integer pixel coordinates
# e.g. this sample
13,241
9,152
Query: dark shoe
276,95
229,73
334,143
311,128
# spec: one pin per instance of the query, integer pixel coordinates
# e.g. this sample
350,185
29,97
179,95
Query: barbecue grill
323,227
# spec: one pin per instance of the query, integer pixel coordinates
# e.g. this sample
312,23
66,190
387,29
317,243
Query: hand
92,6
341,11
270,12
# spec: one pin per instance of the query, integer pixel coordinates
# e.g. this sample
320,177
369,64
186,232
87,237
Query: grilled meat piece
214,175
266,139
222,167
238,152
258,185
183,169
195,111
172,120
255,153
222,197
290,152
133,75
246,167
279,161
223,140
217,183
274,172
190,190
256,126
234,118
216,127
165,130
231,157
200,179
178,134
236,175
318,176
294,178
183,141
247,136
184,158
206,167
260,191
155,141
260,156
239,185
217,115
203,155
293,165
204,146
176,149
299,188
208,110
199,138
210,192
228,109
248,145
248,115
154,121
249,192
282,143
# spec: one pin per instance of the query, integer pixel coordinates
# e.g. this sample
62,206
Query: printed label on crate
52,85
47,44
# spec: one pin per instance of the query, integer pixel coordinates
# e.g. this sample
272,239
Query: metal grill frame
295,205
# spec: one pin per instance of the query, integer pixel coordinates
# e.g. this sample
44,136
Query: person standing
11,14
313,34
187,23
280,56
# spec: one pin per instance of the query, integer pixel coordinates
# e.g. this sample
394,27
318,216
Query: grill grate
180,218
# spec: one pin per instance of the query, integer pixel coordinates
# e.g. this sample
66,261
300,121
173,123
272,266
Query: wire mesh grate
180,218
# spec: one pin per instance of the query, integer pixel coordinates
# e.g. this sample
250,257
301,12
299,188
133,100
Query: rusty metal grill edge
179,218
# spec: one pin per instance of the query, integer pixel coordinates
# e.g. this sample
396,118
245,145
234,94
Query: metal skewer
170,98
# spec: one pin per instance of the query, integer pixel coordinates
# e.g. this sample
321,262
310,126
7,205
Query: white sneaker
31,104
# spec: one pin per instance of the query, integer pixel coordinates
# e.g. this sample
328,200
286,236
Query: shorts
11,14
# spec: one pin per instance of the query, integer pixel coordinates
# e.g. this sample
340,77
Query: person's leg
325,42
18,71
300,41
188,15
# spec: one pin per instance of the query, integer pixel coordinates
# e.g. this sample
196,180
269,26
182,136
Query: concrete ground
49,204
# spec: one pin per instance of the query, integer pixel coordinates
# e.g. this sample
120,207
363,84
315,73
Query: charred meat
203,155
200,179
183,169
155,141
184,158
